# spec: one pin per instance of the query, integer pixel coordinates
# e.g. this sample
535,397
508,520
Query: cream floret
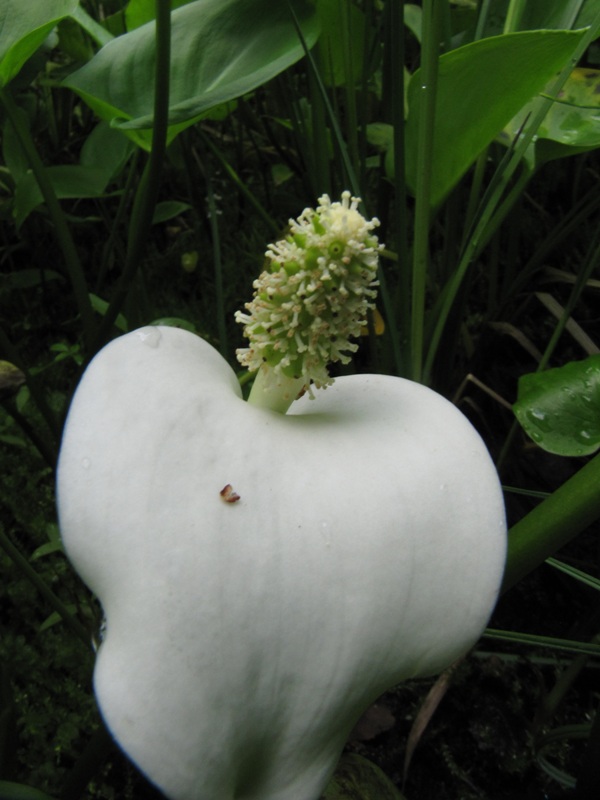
314,299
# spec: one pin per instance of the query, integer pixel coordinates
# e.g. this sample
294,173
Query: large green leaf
221,49
24,24
481,86
560,408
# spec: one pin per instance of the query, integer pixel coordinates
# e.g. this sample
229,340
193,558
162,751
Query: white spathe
244,639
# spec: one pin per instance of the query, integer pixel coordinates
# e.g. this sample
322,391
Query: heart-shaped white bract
244,639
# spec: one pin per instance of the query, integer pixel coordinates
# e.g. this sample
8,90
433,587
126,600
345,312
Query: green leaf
233,45
138,12
342,43
24,24
413,19
571,126
103,155
560,408
101,306
18,791
357,778
481,86
557,14
105,149
69,181
169,209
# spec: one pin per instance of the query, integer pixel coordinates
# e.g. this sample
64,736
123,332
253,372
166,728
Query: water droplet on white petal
86,463
150,336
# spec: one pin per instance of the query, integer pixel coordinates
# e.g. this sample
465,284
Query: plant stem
513,16
96,31
558,519
61,228
147,193
429,72
400,313
275,392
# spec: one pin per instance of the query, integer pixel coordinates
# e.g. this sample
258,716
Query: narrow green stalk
475,191
513,15
114,244
351,115
319,143
426,128
555,522
589,267
335,127
96,31
496,192
394,75
147,193
571,13
61,228
567,645
481,19
40,584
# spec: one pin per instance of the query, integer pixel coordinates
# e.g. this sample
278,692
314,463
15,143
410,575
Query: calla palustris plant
268,567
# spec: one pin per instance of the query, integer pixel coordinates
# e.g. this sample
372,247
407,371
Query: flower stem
274,391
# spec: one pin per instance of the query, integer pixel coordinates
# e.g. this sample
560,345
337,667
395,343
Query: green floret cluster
314,298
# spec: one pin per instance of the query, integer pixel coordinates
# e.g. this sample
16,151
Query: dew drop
86,463
150,336
540,419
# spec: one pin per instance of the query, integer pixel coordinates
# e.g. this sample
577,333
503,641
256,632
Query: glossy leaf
560,408
357,778
571,126
481,86
234,47
24,24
